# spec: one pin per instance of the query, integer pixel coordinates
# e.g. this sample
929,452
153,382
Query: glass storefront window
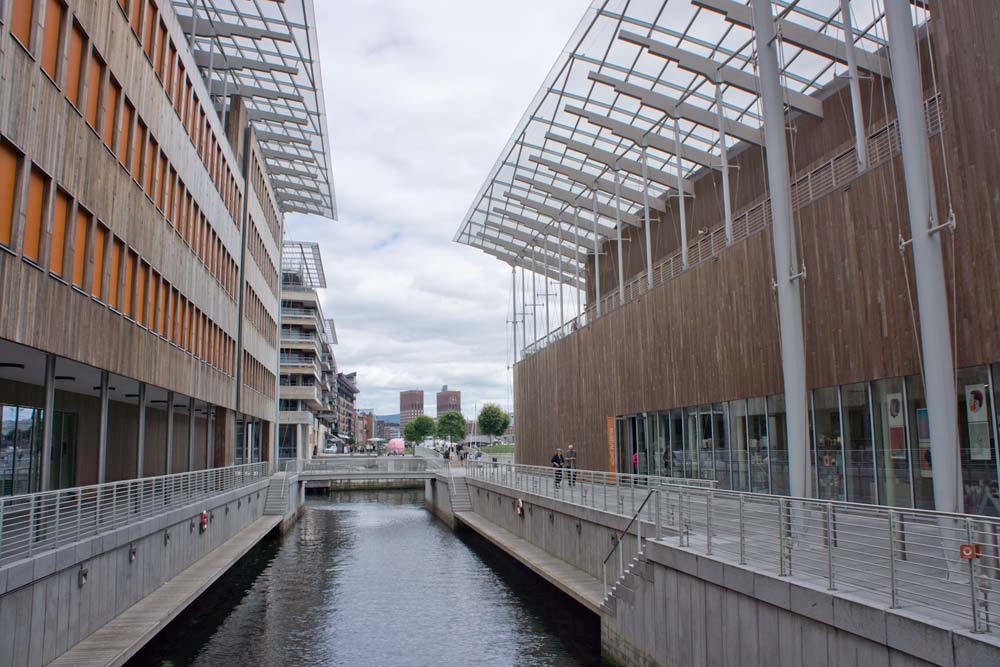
738,430
920,443
287,444
20,449
828,451
977,445
677,459
622,446
641,450
720,435
860,464
693,450
759,445
892,460
658,438
706,443
779,444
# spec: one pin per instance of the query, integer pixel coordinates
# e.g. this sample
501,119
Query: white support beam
727,201
651,139
556,213
513,258
220,62
226,89
801,36
857,104
572,199
596,182
273,154
726,73
517,247
217,29
609,159
540,242
543,228
274,117
264,135
671,106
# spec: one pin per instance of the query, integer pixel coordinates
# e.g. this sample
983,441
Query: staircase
276,503
460,499
623,590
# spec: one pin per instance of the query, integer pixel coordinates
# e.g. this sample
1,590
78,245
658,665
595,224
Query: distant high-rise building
411,406
448,400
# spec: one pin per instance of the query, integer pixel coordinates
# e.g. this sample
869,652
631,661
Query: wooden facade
711,333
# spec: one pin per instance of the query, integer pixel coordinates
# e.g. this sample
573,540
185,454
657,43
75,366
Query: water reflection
371,578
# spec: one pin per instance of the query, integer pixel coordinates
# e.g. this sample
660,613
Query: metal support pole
562,312
576,244
513,301
190,434
169,461
727,202
680,193
140,456
932,294
857,109
645,208
793,360
102,432
534,306
524,315
618,228
48,422
597,257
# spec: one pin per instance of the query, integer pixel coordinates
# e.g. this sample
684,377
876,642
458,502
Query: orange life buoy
203,526
520,507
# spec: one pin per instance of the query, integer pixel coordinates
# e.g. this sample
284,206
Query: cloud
421,97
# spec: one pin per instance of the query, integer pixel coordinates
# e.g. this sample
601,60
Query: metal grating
301,265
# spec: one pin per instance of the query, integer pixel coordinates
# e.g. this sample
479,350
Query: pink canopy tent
395,445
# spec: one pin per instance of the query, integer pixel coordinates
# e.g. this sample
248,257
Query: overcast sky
421,97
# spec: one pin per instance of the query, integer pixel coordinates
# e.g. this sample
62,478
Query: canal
372,578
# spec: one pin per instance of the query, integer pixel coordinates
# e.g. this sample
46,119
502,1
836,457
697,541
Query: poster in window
897,427
924,442
977,421
611,444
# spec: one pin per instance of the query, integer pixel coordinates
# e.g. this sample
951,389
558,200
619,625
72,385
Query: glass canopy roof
267,52
302,260
671,83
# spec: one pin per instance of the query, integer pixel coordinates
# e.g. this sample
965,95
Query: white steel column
140,457
513,307
169,460
597,257
576,244
727,204
524,315
680,193
618,228
534,304
562,312
857,110
545,263
190,434
645,207
47,425
102,439
793,362
932,295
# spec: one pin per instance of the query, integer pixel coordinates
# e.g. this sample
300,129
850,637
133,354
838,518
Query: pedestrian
571,465
558,462
635,463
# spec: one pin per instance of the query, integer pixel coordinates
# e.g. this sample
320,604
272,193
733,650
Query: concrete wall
437,500
43,609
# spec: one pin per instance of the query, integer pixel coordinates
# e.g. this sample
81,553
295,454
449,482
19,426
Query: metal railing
946,566
817,182
361,464
36,522
657,533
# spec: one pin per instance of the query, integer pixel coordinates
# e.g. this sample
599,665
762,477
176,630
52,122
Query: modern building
307,389
815,315
411,406
448,401
366,426
146,159
347,415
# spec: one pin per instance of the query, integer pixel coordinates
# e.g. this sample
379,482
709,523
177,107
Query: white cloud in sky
421,97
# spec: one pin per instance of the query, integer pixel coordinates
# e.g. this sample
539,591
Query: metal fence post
831,584
708,523
976,627
31,525
681,528
892,560
743,535
781,538
659,516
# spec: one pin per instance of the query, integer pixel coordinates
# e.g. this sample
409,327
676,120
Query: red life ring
203,525
520,507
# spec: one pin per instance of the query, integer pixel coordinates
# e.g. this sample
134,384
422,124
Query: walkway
579,585
122,637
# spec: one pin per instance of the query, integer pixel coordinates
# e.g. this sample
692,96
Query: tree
451,425
493,420
418,429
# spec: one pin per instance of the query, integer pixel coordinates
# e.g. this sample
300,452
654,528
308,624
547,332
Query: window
171,67
9,162
117,250
149,306
828,443
138,160
131,259
100,246
54,13
175,334
110,110
20,21
125,147
94,86
38,188
150,166
892,464
60,221
161,45
158,319
74,69
161,183
81,231
141,288
149,30
135,16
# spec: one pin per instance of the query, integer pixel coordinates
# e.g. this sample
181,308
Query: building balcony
309,393
302,317
295,417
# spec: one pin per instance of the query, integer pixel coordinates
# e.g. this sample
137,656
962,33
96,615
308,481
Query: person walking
571,465
558,462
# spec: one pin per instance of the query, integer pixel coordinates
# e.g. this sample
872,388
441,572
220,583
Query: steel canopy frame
268,53
601,107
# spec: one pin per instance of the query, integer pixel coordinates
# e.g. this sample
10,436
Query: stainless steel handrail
620,536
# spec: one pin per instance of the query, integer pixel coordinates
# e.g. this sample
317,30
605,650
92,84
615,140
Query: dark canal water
371,578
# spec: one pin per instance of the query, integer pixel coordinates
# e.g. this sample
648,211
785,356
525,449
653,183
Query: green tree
451,425
418,430
493,420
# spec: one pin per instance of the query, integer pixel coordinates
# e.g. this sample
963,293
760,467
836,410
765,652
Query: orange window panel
172,195
175,334
55,11
149,29
38,188
139,153
161,182
80,234
20,21
149,172
171,67
160,296
125,147
140,292
161,45
94,84
60,220
149,307
168,313
185,323
179,98
100,246
135,16
110,110
129,303
74,64
117,248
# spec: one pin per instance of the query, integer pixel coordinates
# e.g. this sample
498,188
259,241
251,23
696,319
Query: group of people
567,461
